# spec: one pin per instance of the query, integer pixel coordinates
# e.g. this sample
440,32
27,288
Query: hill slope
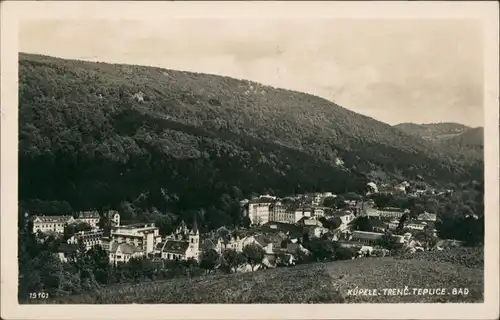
95,134
433,131
472,138
312,283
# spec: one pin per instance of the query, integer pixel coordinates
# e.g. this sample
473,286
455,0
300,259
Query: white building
114,217
123,252
182,245
388,212
90,217
258,211
319,212
51,223
88,238
427,217
143,235
277,212
418,226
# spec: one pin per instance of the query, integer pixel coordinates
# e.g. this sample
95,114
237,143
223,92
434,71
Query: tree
342,253
165,223
74,228
209,260
98,260
335,202
402,221
382,199
127,211
233,259
387,241
352,196
432,205
362,224
254,254
426,237
417,209
224,234
104,224
246,222
321,250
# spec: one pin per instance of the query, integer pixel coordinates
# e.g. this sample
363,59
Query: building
260,240
65,252
90,217
393,224
346,216
427,217
54,224
105,243
417,226
183,245
88,238
361,208
371,238
234,243
175,250
142,235
277,212
113,217
318,212
258,210
367,238
301,212
123,252
388,212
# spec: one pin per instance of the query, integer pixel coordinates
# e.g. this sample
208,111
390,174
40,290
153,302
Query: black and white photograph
170,154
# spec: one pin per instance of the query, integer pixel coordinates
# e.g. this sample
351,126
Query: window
168,256
118,257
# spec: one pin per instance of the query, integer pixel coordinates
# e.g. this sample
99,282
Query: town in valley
277,234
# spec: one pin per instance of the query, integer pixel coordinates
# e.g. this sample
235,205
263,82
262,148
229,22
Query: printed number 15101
39,295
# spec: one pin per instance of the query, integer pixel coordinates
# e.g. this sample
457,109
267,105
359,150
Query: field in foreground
313,283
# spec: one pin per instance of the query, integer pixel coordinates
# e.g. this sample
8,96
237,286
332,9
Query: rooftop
88,215
67,248
52,219
426,216
176,246
125,248
366,235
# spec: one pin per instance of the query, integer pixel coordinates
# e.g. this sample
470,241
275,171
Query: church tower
194,241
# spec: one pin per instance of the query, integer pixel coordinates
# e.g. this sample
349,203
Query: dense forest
433,131
97,136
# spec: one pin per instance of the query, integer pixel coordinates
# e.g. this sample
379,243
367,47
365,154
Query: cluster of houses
57,224
278,226
291,210
124,241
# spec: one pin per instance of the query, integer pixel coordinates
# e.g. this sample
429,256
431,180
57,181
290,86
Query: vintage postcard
249,160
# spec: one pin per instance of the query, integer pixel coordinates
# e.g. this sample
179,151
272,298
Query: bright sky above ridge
395,71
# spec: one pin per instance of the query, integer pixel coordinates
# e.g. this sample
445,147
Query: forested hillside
472,138
96,135
454,137
433,131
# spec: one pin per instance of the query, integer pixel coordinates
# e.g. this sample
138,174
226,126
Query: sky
421,71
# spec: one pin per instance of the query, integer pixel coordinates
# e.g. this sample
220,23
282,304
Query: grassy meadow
328,282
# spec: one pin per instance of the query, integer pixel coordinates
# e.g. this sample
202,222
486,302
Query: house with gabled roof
427,217
175,250
123,252
182,245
